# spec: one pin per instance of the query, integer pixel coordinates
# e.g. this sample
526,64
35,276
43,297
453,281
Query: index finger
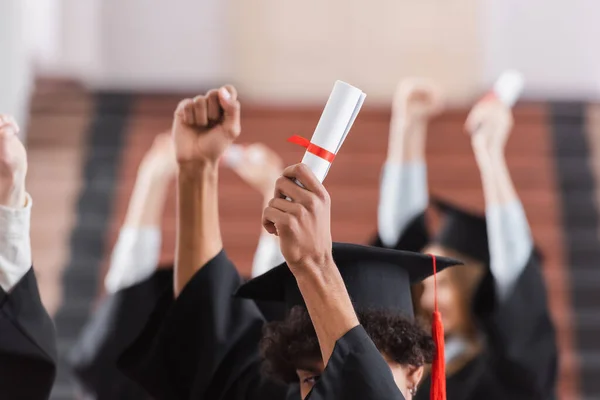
7,121
306,177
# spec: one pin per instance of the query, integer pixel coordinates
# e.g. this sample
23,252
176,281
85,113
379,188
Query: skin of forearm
498,186
147,200
407,140
328,304
198,229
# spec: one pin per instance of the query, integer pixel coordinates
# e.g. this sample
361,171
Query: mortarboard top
374,277
462,231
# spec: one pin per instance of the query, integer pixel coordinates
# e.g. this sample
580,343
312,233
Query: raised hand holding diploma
338,116
492,113
509,87
490,122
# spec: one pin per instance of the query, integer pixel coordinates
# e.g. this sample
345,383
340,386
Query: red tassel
438,367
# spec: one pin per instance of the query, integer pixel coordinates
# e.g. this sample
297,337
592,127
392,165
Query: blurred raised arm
137,251
27,337
403,192
490,123
259,166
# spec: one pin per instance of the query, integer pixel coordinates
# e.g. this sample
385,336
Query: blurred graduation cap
374,277
462,231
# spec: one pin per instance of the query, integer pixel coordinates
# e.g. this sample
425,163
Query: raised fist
489,123
256,164
160,160
302,223
417,99
205,126
13,164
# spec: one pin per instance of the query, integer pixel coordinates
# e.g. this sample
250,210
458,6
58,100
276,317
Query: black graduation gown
414,238
519,360
116,322
356,370
204,345
27,343
113,326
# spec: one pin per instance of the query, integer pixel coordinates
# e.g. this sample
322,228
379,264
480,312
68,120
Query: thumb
8,124
231,109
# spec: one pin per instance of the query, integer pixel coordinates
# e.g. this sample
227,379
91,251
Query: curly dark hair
289,343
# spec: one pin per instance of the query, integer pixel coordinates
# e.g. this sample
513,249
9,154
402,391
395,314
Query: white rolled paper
509,86
338,116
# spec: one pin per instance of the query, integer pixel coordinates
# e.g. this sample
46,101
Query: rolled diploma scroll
509,86
338,116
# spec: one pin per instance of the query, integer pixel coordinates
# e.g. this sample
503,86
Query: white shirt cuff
403,195
268,255
510,242
15,244
134,258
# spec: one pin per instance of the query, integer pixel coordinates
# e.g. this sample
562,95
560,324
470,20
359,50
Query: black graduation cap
375,278
462,231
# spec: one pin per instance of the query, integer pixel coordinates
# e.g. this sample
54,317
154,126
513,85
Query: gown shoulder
112,326
28,353
204,344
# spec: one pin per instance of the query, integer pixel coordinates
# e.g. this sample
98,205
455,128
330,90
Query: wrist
13,195
197,171
489,156
314,269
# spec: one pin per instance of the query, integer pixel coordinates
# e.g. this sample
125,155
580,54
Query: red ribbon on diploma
490,96
312,148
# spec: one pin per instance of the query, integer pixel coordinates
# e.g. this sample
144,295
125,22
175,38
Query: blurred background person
259,166
488,353
134,283
28,350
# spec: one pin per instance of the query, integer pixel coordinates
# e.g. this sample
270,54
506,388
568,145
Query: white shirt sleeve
268,255
15,244
134,258
510,244
403,195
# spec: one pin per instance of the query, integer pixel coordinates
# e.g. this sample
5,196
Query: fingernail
225,94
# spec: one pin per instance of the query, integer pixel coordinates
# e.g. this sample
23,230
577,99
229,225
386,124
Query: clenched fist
302,223
417,99
13,164
489,123
206,125
415,102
